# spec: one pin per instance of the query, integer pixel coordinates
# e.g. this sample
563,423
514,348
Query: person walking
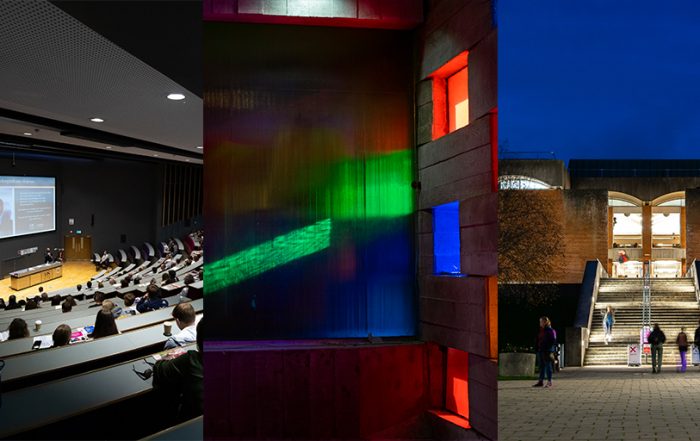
682,342
545,352
608,322
657,338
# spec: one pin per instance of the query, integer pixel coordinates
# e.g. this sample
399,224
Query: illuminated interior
667,252
458,100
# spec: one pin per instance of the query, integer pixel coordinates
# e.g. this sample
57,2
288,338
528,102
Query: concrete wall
646,189
460,166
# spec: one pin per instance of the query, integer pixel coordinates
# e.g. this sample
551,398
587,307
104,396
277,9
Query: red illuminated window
450,96
457,385
457,100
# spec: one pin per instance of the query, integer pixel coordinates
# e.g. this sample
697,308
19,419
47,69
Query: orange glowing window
450,96
457,384
457,100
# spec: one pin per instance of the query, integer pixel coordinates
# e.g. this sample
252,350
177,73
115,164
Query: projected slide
27,205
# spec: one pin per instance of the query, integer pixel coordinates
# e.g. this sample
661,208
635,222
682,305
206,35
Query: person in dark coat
657,338
180,381
546,341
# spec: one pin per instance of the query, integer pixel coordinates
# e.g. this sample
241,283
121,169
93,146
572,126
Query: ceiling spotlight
200,147
97,120
176,96
155,154
109,146
27,134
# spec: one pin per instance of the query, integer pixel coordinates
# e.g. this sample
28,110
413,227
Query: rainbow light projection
309,164
268,255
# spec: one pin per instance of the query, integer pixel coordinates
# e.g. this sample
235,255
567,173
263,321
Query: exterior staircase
673,305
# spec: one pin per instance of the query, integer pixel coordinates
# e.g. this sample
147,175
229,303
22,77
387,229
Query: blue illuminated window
446,244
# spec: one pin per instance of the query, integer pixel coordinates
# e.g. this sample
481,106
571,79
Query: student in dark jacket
546,341
151,301
12,303
657,338
180,380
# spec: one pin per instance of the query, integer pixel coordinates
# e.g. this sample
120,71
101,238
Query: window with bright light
457,387
446,241
458,100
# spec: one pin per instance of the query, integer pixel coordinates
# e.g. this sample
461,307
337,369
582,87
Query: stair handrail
693,272
594,271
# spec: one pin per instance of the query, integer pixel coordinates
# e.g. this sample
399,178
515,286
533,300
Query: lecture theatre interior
351,287
101,231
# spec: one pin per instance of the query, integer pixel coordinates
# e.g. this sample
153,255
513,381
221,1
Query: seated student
104,325
165,279
79,287
2,304
67,306
184,316
109,305
151,301
189,279
72,301
98,298
124,283
55,300
12,303
130,304
89,284
180,380
44,298
41,290
31,304
104,260
61,336
17,329
173,276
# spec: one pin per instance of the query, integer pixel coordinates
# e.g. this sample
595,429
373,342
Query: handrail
692,272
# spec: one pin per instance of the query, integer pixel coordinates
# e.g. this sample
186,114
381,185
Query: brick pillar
646,232
683,240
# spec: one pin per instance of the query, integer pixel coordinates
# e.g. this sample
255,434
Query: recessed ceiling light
176,96
27,134
155,154
187,160
200,147
98,120
109,146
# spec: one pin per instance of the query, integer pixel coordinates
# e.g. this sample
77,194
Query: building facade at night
627,238
352,149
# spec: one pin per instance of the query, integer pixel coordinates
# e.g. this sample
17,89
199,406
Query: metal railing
692,272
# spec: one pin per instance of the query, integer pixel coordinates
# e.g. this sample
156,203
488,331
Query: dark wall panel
122,196
308,134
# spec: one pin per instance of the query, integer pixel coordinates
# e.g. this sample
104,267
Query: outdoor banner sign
634,356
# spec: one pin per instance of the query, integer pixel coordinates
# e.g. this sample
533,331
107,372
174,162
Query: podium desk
35,275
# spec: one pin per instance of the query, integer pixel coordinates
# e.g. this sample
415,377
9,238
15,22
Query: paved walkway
603,404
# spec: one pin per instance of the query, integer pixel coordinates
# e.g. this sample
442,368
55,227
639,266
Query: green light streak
377,187
266,256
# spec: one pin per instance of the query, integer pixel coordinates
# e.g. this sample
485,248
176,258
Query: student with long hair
104,325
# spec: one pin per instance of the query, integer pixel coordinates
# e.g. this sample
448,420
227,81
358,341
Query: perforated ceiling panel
57,67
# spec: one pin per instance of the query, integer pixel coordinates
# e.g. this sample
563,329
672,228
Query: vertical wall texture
460,166
309,137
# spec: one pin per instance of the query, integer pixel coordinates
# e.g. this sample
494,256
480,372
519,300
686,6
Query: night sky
599,78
